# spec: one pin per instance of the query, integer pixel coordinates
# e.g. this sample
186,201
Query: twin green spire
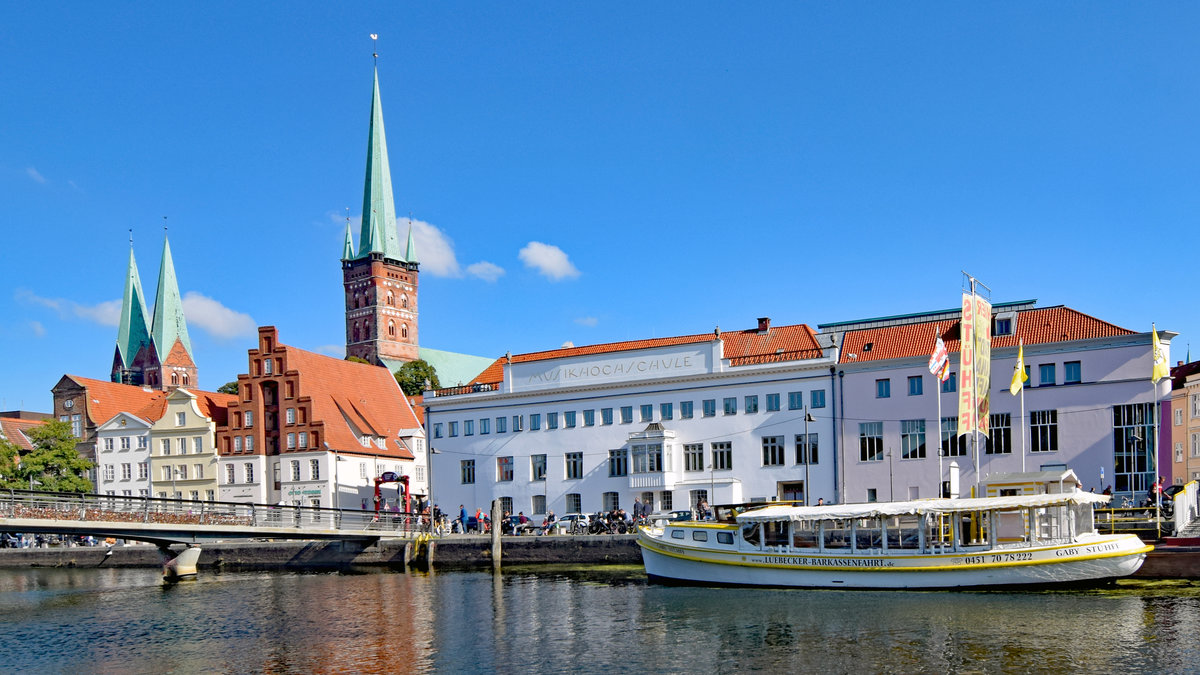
137,329
169,324
133,333
378,232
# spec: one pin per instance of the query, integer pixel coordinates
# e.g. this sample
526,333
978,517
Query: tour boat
1030,539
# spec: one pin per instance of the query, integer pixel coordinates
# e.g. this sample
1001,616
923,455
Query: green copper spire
348,248
378,234
411,254
169,324
133,332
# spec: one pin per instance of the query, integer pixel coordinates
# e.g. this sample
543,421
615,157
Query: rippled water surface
127,621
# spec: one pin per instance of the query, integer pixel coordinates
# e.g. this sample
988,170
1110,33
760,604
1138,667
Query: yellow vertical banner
983,363
966,367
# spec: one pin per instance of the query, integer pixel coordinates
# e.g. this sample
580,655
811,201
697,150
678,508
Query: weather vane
375,46
164,224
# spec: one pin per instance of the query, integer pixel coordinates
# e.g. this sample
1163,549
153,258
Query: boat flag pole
937,395
1024,427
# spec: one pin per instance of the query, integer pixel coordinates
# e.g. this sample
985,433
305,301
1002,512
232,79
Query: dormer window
1004,324
868,346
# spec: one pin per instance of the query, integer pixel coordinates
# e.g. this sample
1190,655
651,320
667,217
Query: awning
918,507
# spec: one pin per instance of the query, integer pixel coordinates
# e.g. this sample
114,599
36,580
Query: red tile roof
345,392
778,343
106,399
14,430
1035,326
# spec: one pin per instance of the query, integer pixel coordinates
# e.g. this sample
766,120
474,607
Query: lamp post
336,488
432,451
807,452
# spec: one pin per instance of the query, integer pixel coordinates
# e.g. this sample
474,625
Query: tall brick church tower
380,280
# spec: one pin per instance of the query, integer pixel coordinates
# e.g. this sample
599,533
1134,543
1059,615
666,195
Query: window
772,450
109,473
249,444
453,429
647,412
517,423
883,388
999,440
267,367
248,469
77,425
870,441
912,439
1072,372
772,402
722,455
164,446
666,411
1195,445
295,469
182,446
468,427
290,416
314,469
466,471
1046,375
626,414
569,419
1043,430
951,384
552,420
618,463
198,471
664,500
795,400
437,430
685,410
1178,418
237,443
539,503
606,416
143,442
693,457
812,456
872,495
291,441
166,472
1178,453
180,419
574,502
249,419
1003,326
537,467
574,465
501,425
729,404
710,407
953,445
751,404
506,505
1134,443
504,469
535,421
230,474
612,501
143,470
916,386
817,398
485,426
647,458
108,444
183,472
1195,406
197,445
589,418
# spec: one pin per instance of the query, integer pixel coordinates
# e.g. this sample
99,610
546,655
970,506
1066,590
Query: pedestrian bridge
171,521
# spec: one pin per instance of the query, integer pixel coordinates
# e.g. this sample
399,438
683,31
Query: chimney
764,324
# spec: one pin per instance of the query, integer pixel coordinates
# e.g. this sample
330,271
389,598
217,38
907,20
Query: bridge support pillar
182,566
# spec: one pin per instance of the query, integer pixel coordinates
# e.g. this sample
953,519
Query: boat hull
1094,559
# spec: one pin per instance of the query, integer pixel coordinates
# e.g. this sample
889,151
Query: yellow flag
1019,374
1160,371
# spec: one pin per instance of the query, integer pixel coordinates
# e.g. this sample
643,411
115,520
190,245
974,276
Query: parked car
566,523
514,526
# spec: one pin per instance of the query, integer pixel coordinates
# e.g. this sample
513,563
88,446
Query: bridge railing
78,507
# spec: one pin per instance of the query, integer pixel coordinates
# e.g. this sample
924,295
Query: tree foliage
412,377
228,388
54,462
10,457
357,359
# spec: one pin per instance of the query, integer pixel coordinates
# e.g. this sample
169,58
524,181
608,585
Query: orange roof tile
1034,326
106,399
14,430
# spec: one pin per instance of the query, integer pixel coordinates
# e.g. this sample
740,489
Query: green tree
10,470
54,462
228,388
413,375
356,359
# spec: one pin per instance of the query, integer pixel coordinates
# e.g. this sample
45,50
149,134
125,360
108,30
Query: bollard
497,516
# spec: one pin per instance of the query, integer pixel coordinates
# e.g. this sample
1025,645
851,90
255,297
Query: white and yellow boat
1035,539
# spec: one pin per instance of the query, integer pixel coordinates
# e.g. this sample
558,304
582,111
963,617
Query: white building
123,454
183,454
719,416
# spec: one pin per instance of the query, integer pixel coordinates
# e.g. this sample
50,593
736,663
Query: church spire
133,332
169,324
378,233
411,254
348,247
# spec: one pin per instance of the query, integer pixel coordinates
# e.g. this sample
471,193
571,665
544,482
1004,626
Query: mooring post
497,516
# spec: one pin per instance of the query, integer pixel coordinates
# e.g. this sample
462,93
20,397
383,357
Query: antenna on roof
375,47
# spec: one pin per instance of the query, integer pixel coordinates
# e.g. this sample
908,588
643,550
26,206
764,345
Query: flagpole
1024,427
975,386
937,395
1155,349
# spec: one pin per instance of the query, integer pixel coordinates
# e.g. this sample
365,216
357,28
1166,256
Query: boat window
677,534
904,532
724,537
805,533
775,533
699,535
752,533
869,533
837,533
973,530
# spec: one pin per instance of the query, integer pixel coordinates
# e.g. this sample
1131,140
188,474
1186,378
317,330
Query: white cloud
37,328
33,173
485,270
587,321
214,318
107,313
338,351
548,260
435,249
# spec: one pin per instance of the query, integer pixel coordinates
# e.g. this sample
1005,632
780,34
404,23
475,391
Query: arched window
391,329
404,331
186,380
404,301
357,300
366,330
175,378
355,332
391,299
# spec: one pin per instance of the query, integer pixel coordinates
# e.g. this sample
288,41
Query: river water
611,620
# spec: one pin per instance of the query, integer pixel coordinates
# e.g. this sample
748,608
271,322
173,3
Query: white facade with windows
123,456
658,420
183,454
312,478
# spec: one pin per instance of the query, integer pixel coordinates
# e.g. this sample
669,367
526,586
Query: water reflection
120,621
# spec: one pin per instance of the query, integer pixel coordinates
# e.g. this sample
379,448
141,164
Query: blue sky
591,172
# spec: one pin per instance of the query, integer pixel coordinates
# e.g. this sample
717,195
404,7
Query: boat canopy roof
918,507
